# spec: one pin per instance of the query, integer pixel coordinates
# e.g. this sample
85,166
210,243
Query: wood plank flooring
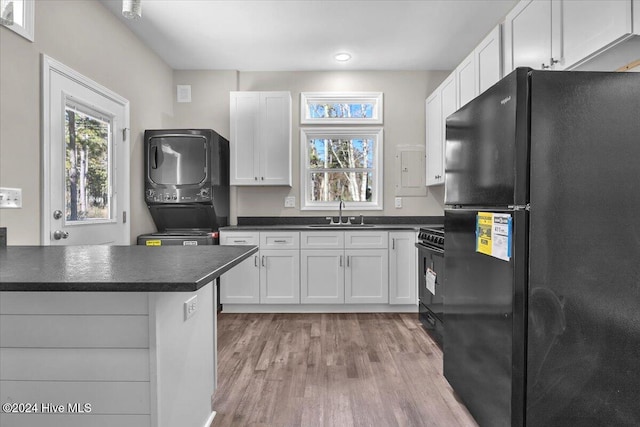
378,369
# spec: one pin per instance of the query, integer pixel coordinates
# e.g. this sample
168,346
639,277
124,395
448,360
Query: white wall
85,36
404,123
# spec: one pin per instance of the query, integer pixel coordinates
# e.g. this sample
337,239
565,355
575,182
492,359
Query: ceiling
301,35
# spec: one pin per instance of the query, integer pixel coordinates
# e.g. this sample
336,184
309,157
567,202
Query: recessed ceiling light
342,57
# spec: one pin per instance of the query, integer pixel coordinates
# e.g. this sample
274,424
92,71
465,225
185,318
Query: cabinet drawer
366,239
251,238
280,240
322,240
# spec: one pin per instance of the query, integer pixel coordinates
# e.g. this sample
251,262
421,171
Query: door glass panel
178,160
87,165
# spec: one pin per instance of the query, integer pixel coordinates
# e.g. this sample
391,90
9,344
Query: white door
322,276
85,159
280,276
367,276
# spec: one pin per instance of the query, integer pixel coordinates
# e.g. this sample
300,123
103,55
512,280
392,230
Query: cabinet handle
279,241
393,244
239,241
255,178
348,260
262,178
340,260
255,260
551,62
263,260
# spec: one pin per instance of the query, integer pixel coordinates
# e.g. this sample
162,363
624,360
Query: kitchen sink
337,227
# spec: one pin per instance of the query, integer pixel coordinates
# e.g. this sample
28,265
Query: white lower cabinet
279,276
350,267
403,278
322,268
241,284
269,277
321,276
366,276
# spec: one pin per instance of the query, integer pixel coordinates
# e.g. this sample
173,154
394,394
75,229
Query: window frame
375,133
376,98
25,29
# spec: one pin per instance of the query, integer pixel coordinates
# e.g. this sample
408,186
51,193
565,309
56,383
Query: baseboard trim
319,308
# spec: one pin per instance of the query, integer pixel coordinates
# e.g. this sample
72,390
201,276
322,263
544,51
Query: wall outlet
10,198
190,307
398,202
290,202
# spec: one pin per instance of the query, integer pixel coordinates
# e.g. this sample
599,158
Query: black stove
431,280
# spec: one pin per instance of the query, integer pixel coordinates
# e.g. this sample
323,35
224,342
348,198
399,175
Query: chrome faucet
340,206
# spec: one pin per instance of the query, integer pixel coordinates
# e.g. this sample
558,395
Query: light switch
10,198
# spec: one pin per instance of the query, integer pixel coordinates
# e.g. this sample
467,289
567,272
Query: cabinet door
449,106
403,282
466,81
241,284
244,156
322,276
527,30
434,140
588,26
279,276
367,276
275,138
489,60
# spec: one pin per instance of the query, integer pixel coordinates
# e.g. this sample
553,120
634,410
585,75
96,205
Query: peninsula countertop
116,268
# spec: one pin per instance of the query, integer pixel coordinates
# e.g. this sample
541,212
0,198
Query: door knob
59,234
57,214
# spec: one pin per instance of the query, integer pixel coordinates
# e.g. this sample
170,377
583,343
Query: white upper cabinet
488,56
527,35
562,34
479,70
260,145
466,80
585,27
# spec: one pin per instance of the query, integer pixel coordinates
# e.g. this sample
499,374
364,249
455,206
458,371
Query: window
341,107
342,164
17,15
87,164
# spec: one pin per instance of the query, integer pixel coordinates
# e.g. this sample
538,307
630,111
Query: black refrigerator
542,250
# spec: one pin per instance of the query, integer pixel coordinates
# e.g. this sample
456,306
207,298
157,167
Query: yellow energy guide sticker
494,234
483,232
153,242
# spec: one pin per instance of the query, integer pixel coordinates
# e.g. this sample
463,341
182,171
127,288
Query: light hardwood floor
377,370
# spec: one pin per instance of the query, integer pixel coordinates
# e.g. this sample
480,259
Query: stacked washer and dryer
186,186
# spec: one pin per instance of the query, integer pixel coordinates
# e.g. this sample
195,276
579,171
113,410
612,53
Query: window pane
330,110
87,168
351,186
340,153
12,12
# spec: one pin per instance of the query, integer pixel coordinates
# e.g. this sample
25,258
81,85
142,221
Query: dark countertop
305,227
116,268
